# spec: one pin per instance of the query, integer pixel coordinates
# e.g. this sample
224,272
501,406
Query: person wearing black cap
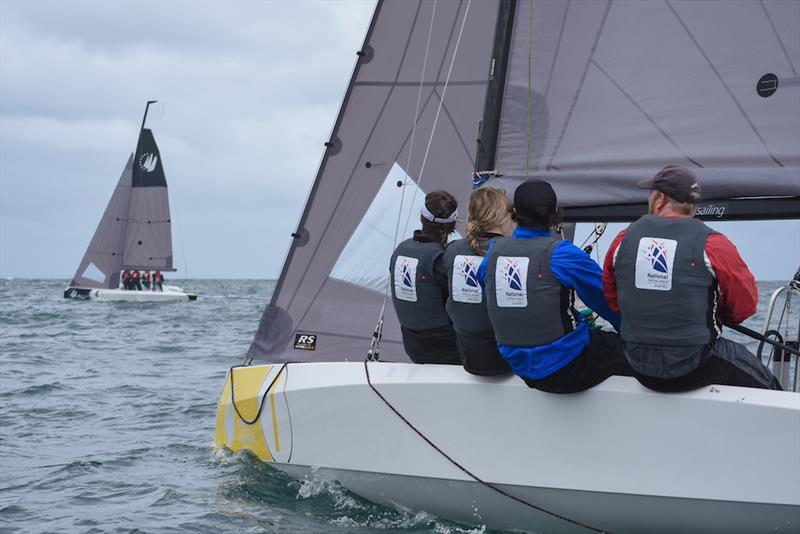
419,284
531,279
675,281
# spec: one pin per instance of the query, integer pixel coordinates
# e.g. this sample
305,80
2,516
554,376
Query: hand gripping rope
467,471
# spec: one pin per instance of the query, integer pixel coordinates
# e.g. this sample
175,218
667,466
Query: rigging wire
374,347
438,111
530,88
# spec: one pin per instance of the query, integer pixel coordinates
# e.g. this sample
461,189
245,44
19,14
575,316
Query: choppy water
107,416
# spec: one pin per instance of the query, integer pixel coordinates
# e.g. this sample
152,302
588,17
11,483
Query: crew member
530,280
419,284
146,280
136,282
126,279
489,217
675,280
158,280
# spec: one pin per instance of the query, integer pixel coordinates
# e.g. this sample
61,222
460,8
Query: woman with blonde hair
489,217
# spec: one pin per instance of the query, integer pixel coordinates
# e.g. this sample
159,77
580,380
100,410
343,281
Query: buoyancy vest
527,305
135,275
126,275
666,293
466,306
146,276
418,299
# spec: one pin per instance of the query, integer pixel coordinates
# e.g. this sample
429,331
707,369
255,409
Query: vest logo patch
405,278
305,341
465,286
511,281
654,263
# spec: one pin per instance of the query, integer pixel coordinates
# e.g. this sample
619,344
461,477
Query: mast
146,108
490,123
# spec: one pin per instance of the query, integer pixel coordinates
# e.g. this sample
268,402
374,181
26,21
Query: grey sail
148,239
385,108
590,95
602,94
102,262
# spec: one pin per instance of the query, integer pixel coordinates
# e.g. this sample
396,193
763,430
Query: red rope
468,472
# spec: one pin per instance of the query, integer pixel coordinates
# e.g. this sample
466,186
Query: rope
261,404
467,471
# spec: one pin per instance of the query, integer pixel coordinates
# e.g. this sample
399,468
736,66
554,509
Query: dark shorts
436,345
602,358
479,355
727,363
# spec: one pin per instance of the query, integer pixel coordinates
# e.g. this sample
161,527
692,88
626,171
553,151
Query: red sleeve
738,294
609,282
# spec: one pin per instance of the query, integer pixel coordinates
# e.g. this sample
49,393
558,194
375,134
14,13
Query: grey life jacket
527,305
666,294
466,304
418,299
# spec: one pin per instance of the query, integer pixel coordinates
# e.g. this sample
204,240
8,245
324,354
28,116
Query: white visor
431,217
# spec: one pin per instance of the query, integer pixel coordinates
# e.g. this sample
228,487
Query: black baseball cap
532,193
678,183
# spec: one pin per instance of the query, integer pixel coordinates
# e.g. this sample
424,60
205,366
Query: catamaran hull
170,293
618,457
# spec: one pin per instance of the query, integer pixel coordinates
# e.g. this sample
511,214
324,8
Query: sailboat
592,97
135,232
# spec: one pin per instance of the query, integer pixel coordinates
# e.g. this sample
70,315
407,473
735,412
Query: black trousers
602,358
436,345
727,363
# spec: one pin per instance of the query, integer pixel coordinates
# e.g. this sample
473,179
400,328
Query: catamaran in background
592,97
135,232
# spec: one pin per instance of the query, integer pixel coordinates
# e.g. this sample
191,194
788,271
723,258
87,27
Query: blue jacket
575,269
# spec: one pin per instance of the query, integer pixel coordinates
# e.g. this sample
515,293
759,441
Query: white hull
618,457
170,293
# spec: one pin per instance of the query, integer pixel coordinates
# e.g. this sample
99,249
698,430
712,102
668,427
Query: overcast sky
248,92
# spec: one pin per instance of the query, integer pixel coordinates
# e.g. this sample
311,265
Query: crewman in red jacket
126,279
675,281
158,280
146,280
136,283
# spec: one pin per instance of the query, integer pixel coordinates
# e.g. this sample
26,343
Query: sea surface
107,417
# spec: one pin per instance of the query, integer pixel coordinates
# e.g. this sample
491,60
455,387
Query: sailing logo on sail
654,263
148,162
405,278
465,286
305,341
511,281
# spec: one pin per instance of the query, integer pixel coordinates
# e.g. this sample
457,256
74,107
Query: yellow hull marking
246,384
274,419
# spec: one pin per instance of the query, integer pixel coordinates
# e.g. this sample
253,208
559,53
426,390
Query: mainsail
592,96
135,230
148,243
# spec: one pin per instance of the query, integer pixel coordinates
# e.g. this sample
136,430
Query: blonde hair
488,207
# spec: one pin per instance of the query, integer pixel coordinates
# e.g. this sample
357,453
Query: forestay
382,135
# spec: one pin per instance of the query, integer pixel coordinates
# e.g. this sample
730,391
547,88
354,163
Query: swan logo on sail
148,162
465,286
654,263
405,276
511,280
